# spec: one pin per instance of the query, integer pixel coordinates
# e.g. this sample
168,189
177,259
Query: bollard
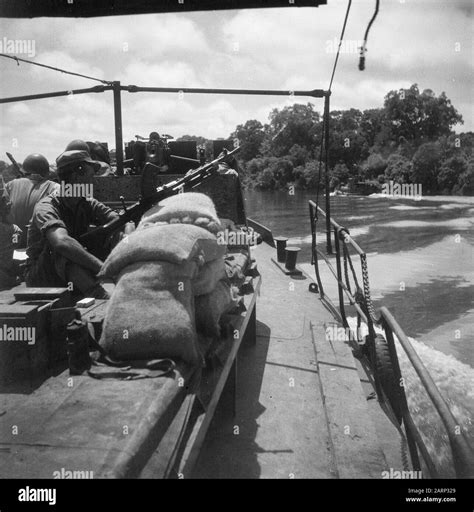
291,256
281,245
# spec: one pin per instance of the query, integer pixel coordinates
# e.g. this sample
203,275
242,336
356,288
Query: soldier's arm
71,249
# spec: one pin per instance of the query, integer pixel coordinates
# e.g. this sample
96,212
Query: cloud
19,110
292,48
151,36
161,74
49,80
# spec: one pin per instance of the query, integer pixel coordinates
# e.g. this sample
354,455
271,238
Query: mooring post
326,165
118,127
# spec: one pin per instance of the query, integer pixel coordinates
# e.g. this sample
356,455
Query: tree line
409,140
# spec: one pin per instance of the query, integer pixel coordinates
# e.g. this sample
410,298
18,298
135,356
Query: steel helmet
36,164
77,145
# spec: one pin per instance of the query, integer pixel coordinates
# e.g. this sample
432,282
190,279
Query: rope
340,43
363,48
329,91
18,59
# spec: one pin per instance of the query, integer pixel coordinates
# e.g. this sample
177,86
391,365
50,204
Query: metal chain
365,278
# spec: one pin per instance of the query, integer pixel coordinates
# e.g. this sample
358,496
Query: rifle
16,165
134,213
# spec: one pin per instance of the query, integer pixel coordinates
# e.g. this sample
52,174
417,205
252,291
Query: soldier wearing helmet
55,255
77,145
97,152
25,192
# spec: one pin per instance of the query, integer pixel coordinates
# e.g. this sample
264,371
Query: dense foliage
409,140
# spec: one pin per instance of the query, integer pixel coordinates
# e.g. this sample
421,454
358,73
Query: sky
428,42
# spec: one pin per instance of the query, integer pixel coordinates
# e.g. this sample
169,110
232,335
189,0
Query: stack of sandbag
198,209
162,270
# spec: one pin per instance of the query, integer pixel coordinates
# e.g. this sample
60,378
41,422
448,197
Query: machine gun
97,237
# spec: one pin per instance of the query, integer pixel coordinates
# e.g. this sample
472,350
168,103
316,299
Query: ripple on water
461,223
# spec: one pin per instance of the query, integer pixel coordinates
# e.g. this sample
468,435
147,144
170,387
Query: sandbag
151,313
186,208
209,308
208,276
236,264
169,243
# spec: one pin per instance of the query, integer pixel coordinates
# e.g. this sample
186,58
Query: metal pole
118,127
326,160
339,277
73,92
315,93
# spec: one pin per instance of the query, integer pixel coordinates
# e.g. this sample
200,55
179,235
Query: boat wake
455,383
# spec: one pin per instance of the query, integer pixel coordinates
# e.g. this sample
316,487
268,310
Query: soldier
96,151
56,258
25,192
9,237
158,152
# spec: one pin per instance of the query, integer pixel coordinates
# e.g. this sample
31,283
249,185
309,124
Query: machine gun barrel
185,159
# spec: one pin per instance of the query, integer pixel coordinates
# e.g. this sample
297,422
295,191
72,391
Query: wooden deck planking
90,416
282,430
355,442
296,393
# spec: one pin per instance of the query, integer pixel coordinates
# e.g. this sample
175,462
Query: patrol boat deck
299,412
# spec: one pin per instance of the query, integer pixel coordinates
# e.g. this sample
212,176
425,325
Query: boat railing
393,401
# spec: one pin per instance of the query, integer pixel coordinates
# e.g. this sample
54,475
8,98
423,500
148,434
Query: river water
420,257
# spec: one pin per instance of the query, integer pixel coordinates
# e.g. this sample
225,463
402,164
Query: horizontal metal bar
463,454
347,238
315,93
97,88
